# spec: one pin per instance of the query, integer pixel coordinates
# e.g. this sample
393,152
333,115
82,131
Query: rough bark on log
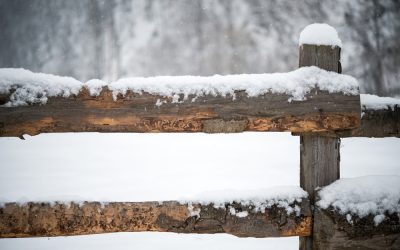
138,113
46,219
333,231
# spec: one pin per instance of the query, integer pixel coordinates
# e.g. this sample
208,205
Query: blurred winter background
119,38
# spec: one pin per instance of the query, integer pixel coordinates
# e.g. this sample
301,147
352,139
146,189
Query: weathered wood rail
85,113
45,219
320,120
138,113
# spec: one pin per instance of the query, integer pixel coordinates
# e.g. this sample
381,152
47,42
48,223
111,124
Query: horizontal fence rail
138,113
46,219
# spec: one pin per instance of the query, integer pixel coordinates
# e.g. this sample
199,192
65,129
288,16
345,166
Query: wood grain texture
45,219
333,231
319,165
319,155
322,56
138,113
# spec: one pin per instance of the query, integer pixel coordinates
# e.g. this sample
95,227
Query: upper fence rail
308,100
303,101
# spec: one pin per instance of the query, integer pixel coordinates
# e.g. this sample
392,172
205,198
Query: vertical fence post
319,156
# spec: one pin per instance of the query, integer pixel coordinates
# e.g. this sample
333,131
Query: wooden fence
320,121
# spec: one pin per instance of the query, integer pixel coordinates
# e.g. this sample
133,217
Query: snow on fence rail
355,212
318,105
266,213
306,100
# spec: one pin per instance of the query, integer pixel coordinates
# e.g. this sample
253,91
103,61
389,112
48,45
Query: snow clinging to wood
32,87
296,84
376,102
362,196
260,199
26,87
320,34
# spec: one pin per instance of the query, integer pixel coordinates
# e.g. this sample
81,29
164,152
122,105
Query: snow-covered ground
140,167
150,241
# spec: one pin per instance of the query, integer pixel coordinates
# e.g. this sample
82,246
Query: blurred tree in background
110,39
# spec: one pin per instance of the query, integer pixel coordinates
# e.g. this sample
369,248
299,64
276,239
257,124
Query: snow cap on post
320,34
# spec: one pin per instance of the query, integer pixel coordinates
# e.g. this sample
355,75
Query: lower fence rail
333,230
43,219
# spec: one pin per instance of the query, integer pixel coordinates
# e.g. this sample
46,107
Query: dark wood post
319,156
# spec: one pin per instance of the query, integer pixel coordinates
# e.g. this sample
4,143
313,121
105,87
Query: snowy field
139,167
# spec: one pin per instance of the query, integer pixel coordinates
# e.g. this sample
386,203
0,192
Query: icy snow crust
376,102
37,87
363,196
259,200
320,34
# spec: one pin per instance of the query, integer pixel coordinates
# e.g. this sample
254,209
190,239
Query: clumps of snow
260,199
376,102
27,87
159,102
232,210
296,84
240,214
362,196
349,219
193,211
95,86
320,34
378,219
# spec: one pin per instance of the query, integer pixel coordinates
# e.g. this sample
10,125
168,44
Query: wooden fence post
319,156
